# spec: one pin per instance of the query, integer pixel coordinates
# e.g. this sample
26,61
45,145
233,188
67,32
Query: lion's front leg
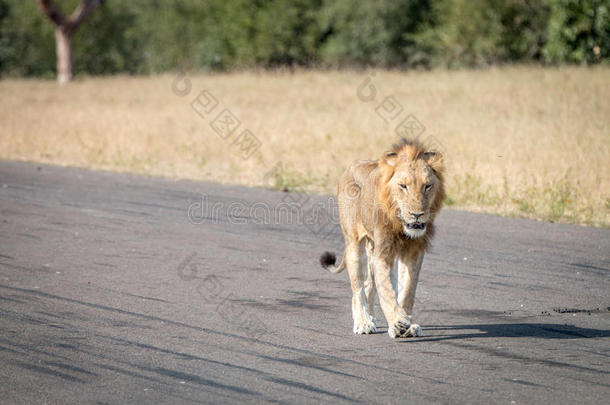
398,322
407,278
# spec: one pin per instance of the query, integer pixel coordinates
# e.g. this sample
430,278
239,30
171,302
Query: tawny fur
380,202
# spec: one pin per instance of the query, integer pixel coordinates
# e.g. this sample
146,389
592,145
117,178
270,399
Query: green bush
479,33
287,33
370,32
578,31
27,42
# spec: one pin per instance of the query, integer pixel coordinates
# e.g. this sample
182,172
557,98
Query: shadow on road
504,330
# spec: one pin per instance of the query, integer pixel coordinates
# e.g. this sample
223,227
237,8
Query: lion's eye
427,187
403,186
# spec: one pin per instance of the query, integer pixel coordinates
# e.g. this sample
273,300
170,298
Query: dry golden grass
521,141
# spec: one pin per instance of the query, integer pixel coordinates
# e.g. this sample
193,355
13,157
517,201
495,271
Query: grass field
521,141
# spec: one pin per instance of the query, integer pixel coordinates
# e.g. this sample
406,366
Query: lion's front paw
414,331
399,328
365,327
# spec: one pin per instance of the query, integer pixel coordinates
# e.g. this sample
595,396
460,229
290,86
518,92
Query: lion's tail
328,260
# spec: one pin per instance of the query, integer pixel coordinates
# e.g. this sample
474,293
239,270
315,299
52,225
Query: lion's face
413,189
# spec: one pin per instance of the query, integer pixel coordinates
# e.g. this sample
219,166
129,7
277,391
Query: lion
387,207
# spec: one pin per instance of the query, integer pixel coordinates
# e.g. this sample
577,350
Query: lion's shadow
508,330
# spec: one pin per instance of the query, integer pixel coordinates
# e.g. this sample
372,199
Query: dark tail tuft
328,259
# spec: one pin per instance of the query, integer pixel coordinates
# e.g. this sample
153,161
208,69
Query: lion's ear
390,158
434,160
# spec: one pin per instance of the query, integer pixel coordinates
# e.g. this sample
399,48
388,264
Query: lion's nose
416,214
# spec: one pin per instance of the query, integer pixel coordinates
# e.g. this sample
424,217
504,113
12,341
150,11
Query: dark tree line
147,36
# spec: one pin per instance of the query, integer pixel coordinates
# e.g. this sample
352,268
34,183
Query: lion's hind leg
369,282
363,321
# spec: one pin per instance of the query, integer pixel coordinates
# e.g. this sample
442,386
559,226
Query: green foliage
148,36
578,31
27,42
106,43
370,32
478,33
287,33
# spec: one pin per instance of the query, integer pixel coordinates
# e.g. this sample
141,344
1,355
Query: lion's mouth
416,225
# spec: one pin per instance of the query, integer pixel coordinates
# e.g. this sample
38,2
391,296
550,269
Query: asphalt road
110,292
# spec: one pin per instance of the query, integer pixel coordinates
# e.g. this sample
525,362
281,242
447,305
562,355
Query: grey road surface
111,292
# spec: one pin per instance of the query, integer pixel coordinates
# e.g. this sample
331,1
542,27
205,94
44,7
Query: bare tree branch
48,8
82,11
71,23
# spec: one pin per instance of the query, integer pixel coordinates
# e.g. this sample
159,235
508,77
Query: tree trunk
65,27
63,40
